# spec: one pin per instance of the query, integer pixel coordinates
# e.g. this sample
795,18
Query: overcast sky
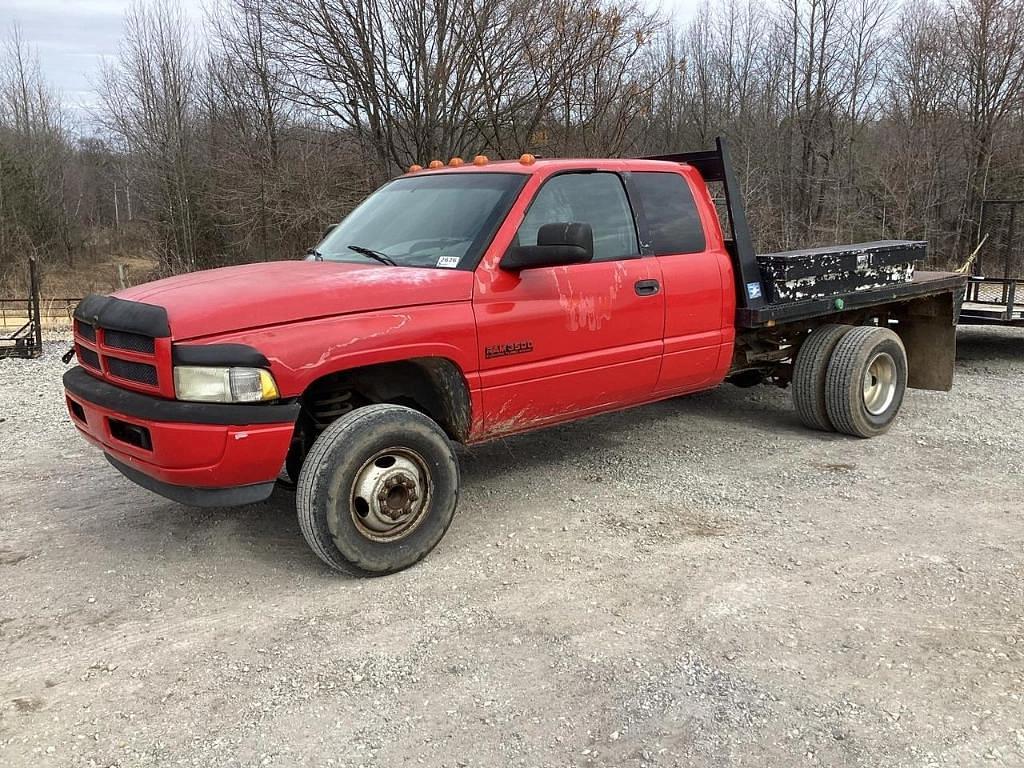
73,36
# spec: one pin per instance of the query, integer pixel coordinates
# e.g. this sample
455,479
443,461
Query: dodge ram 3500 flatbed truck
468,301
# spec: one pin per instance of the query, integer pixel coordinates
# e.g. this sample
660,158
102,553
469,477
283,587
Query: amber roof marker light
527,159
480,160
414,167
436,164
455,162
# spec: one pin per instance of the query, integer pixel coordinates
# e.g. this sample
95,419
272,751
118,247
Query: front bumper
202,454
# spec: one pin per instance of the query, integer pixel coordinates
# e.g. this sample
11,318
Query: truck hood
218,301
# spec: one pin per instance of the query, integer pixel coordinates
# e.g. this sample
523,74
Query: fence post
1010,238
34,308
976,270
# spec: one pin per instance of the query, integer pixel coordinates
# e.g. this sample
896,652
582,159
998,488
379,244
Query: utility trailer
21,334
992,300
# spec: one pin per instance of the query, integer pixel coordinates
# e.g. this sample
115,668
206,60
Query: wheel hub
397,496
389,494
880,381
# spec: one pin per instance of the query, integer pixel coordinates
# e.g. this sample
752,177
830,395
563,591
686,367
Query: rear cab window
673,221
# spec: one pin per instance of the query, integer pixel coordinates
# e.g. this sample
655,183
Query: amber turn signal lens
527,159
455,162
413,168
480,160
436,164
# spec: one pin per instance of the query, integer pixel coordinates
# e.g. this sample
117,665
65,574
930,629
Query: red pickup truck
468,301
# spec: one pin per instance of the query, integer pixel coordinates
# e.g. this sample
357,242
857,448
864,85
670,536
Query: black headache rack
715,165
837,278
21,332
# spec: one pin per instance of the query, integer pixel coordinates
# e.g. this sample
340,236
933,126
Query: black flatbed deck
923,284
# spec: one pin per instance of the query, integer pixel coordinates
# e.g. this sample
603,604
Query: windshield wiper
383,258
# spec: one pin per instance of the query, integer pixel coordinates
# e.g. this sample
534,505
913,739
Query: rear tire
866,381
378,490
809,372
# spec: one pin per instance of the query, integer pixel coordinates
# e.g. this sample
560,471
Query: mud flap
927,328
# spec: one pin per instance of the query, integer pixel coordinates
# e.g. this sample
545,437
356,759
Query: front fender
301,353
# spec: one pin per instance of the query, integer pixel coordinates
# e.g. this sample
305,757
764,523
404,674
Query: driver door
560,342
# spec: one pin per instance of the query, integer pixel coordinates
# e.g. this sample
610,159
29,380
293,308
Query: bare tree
150,103
34,153
990,36
848,119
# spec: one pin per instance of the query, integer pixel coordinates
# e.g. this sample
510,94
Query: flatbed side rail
715,165
923,284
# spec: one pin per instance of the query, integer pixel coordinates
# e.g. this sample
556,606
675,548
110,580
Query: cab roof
539,165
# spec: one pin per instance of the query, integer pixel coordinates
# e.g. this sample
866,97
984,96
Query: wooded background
242,139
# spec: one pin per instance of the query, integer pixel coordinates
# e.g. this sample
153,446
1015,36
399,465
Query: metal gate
1002,255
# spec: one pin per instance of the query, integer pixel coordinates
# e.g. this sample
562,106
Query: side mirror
557,245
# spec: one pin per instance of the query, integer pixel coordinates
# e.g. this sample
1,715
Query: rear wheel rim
881,378
390,494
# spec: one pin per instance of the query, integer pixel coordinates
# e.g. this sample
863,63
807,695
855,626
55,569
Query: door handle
646,287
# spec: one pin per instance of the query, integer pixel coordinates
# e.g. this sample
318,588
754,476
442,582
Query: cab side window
671,213
597,199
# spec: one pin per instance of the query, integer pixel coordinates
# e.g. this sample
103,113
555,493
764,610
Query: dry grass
62,286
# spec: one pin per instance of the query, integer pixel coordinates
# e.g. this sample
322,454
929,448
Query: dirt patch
720,587
10,557
27,704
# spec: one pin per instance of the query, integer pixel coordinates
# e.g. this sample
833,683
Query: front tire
378,490
866,381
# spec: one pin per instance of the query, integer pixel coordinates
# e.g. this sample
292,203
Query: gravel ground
700,582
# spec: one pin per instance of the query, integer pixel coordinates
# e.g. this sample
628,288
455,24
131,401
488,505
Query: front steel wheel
390,494
378,490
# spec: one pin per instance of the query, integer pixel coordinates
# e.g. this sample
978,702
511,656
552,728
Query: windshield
443,220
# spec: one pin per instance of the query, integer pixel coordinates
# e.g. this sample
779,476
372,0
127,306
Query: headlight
224,385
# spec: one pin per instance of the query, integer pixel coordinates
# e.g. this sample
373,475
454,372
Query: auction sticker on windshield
448,262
